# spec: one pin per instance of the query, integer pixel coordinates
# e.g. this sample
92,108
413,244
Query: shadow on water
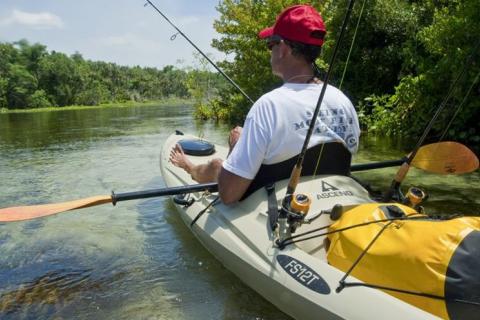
54,288
193,279
45,289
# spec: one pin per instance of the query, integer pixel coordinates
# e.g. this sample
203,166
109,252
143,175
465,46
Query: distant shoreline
164,102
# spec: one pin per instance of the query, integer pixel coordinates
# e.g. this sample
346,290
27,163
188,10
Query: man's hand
233,137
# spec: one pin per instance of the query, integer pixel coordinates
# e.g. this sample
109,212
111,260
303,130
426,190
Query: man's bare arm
231,187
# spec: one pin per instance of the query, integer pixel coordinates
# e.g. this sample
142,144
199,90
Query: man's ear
285,50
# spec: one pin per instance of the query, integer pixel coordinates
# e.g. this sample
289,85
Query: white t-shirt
276,126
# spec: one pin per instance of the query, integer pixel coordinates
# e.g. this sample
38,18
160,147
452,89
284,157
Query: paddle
445,158
36,211
442,157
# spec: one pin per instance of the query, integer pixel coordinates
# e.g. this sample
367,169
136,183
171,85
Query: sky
121,31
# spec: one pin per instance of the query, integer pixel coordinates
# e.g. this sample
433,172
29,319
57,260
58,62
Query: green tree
204,87
21,85
377,61
59,78
32,77
30,55
38,99
8,56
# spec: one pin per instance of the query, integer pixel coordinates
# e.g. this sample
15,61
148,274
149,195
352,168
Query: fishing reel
292,213
414,197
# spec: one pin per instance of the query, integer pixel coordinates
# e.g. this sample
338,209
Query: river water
136,260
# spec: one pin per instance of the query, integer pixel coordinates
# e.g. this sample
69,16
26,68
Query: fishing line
316,69
460,106
351,45
198,49
318,161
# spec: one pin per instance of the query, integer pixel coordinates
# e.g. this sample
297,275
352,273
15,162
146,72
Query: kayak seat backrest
332,158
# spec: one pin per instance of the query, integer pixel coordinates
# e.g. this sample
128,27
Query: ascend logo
326,187
330,191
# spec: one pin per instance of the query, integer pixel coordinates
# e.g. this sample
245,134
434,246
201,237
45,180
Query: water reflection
44,129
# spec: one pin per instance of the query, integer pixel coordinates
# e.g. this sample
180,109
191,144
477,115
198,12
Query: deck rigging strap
341,283
272,205
344,284
294,239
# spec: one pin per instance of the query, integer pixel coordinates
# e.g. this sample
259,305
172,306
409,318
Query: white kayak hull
298,279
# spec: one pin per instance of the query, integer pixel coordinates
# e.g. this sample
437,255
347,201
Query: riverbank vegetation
33,78
171,101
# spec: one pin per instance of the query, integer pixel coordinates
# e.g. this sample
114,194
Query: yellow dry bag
433,264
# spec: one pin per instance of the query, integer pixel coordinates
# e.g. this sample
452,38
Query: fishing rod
403,170
292,184
297,170
200,51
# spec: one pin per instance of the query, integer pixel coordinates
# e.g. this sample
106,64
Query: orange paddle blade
445,158
38,211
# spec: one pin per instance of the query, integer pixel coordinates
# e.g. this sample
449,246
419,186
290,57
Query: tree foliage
32,77
433,58
205,86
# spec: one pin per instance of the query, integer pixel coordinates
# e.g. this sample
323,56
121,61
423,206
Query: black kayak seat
329,158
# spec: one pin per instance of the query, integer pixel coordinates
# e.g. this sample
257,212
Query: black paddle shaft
212,187
377,165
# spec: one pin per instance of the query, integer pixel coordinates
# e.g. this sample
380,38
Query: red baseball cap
300,23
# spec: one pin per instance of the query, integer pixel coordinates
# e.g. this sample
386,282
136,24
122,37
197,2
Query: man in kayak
266,148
